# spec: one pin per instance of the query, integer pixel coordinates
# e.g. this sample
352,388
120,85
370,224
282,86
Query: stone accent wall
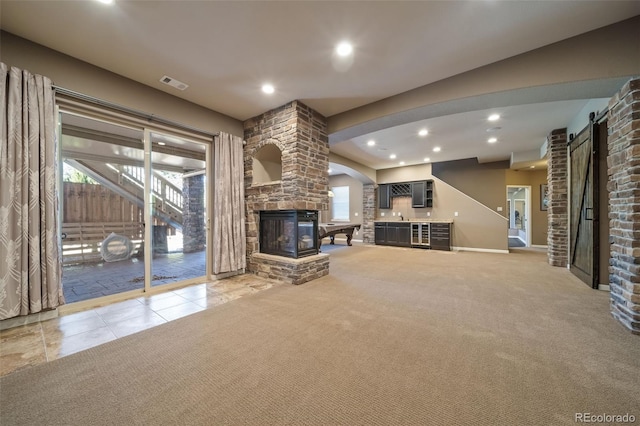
557,211
369,206
193,229
301,135
623,163
293,271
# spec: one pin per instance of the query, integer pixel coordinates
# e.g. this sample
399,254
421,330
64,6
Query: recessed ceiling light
371,142
105,1
423,132
392,156
492,140
436,149
344,49
402,163
494,117
427,159
532,167
268,88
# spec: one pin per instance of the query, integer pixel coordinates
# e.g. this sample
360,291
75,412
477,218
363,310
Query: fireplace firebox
289,233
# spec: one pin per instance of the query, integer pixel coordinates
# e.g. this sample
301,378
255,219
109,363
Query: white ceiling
225,51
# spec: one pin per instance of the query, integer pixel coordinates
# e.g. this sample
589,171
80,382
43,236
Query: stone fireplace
286,158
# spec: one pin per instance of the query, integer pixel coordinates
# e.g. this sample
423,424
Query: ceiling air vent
173,82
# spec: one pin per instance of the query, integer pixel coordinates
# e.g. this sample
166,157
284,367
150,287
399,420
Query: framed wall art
544,196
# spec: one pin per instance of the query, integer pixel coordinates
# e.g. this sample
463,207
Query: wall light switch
382,214
455,213
393,213
499,209
428,214
356,214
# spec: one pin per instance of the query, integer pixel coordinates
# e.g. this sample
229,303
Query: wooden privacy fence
81,241
84,202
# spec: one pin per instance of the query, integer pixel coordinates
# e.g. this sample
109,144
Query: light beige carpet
390,337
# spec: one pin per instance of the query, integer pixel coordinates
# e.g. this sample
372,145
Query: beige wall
482,182
82,77
533,179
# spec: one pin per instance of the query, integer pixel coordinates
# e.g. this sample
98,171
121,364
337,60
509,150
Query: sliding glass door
133,208
178,209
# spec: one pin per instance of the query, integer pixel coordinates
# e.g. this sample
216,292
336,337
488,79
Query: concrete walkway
84,282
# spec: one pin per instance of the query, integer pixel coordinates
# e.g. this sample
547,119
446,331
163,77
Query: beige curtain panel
229,243
30,272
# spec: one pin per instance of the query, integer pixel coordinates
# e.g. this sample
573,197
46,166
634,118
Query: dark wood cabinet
384,196
441,236
428,193
393,233
417,194
399,234
404,235
380,233
422,194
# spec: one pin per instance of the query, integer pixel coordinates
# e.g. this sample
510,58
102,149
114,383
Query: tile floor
25,346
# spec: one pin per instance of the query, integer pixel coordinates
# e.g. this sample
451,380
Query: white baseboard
482,250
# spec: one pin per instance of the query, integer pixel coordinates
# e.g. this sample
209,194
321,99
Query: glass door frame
148,213
526,215
149,206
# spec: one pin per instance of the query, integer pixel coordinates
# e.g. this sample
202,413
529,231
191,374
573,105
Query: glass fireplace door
289,233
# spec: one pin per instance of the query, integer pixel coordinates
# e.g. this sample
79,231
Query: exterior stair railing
128,182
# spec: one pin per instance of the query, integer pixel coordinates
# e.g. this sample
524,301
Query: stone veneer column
557,216
301,135
193,229
369,205
623,163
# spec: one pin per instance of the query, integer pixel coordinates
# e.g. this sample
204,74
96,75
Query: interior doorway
519,209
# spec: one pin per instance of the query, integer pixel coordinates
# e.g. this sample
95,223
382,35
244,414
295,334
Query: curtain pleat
30,272
229,243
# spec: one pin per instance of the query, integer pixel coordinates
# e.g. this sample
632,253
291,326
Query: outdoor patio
88,281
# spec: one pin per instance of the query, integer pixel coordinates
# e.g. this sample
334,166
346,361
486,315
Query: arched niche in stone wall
267,164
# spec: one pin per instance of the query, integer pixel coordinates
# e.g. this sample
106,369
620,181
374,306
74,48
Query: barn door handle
588,216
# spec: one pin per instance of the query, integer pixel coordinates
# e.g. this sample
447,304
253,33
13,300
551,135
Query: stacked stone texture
369,204
288,270
193,231
301,135
623,162
557,209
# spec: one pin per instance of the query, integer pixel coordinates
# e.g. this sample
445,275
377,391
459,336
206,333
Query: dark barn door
583,207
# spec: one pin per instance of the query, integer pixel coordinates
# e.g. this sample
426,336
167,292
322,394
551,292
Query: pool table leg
349,236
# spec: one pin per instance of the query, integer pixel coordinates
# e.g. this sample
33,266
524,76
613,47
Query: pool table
331,229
